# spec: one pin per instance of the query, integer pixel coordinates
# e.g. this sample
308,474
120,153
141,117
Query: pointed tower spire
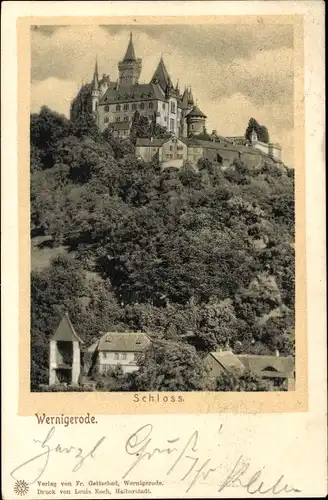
190,97
161,75
185,99
95,81
130,53
177,86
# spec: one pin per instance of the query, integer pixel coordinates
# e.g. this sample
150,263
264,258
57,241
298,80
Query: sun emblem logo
21,487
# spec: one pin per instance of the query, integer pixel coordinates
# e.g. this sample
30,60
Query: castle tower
130,68
65,356
95,91
196,121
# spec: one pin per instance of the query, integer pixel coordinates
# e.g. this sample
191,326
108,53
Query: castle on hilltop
114,105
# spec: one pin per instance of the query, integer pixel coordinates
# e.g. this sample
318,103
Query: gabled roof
196,112
228,361
275,364
130,53
161,75
65,331
121,342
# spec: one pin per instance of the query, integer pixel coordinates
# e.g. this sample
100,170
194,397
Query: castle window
134,106
126,118
171,148
106,119
179,156
151,105
117,119
169,157
116,355
123,355
172,124
142,105
172,107
107,108
126,107
118,107
163,105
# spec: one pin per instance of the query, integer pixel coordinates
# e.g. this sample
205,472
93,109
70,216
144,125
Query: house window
142,105
117,119
123,355
172,107
165,118
118,107
116,355
163,106
107,108
179,147
171,148
126,107
172,124
126,118
150,105
169,157
134,106
179,156
106,119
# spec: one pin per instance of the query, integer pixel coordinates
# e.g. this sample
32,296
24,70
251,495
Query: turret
196,121
130,67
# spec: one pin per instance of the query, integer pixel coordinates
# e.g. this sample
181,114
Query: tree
217,324
229,382
261,131
171,366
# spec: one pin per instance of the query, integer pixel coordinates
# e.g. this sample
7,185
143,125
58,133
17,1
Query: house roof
118,342
130,53
65,331
275,364
228,361
132,93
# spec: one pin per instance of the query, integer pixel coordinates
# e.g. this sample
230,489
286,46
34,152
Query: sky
235,71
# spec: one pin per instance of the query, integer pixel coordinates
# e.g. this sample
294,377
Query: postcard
163,250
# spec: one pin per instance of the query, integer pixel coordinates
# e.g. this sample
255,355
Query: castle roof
65,331
161,75
121,342
130,53
131,93
196,112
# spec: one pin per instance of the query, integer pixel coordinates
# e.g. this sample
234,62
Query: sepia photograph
162,219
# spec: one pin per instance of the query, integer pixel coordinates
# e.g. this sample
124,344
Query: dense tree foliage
261,131
202,258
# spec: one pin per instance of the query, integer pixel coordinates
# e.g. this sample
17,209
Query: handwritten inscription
183,457
139,445
42,459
